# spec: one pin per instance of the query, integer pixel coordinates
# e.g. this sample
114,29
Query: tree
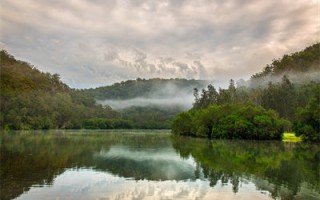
182,124
307,123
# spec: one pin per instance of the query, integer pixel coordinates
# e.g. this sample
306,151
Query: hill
300,67
31,99
146,88
289,87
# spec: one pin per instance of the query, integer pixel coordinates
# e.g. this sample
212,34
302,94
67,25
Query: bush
243,121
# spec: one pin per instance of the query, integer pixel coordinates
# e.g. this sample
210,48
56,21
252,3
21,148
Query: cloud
94,43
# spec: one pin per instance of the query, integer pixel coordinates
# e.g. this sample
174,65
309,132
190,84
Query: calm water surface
153,165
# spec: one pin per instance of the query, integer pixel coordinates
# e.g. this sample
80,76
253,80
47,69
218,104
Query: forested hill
304,62
142,88
31,99
288,88
19,76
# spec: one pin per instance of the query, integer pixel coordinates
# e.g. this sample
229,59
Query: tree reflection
36,158
286,167
288,171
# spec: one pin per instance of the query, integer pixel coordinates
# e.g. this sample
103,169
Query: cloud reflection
90,184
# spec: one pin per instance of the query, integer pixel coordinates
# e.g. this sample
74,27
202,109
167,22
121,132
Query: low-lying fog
176,96
164,96
183,102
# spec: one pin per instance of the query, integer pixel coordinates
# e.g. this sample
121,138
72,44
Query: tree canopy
230,121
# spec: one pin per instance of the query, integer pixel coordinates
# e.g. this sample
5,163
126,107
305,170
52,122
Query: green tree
182,124
307,121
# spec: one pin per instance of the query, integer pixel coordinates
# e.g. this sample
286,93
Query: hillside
18,76
305,63
31,99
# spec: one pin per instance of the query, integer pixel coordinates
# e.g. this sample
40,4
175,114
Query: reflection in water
289,171
152,165
89,184
145,163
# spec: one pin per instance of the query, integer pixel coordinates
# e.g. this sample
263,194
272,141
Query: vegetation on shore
238,121
297,102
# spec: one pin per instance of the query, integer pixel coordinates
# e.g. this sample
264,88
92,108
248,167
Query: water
153,165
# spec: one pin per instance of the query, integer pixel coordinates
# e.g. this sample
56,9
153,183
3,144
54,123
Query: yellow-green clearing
290,137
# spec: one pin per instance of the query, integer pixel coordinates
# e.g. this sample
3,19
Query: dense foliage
307,122
237,121
283,96
31,99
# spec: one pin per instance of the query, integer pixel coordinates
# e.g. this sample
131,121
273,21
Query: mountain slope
31,99
305,61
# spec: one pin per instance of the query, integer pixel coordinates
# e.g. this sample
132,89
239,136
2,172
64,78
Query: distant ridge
307,60
146,88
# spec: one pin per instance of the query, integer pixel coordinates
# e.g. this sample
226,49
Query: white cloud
92,43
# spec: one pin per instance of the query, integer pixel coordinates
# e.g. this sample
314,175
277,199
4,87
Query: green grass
290,137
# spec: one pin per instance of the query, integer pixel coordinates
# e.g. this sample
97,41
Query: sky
93,43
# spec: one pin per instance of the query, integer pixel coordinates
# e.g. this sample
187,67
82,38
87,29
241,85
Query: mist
294,77
183,102
174,96
165,96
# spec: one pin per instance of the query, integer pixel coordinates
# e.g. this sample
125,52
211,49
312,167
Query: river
136,164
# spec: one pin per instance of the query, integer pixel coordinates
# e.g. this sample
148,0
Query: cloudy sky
98,42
